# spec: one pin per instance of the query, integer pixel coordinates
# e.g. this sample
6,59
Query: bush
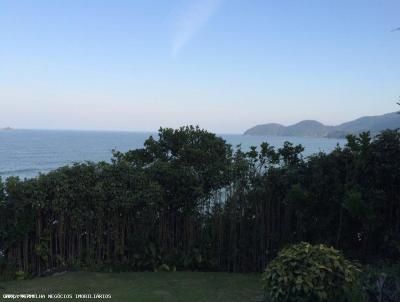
304,272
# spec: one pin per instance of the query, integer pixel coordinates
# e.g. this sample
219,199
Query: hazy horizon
224,65
161,126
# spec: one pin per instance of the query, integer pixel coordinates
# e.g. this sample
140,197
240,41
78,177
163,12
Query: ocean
26,153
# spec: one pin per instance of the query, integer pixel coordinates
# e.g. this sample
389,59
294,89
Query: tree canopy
187,200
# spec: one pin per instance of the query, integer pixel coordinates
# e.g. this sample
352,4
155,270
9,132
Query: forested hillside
310,128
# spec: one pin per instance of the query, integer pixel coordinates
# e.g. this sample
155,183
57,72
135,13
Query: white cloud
190,20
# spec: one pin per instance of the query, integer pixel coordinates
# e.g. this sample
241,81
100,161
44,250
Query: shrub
303,272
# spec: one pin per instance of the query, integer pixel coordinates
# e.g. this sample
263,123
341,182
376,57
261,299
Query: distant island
312,128
6,129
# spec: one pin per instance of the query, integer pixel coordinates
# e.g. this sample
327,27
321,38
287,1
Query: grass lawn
146,287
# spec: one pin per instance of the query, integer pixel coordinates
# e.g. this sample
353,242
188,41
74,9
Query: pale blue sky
223,64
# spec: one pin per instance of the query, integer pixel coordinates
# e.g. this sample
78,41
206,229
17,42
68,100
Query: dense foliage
187,200
305,272
382,283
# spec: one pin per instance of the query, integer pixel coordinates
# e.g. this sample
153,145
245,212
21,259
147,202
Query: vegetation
304,272
312,128
188,201
145,287
382,283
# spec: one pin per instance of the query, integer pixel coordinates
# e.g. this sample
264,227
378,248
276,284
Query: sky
225,65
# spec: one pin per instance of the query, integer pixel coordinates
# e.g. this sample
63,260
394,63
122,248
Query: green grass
145,287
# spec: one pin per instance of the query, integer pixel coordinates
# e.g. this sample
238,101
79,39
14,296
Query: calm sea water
25,153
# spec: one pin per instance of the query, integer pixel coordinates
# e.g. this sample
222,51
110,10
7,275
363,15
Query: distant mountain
6,129
311,128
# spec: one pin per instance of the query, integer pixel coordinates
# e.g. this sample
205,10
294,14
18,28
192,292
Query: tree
185,200
189,164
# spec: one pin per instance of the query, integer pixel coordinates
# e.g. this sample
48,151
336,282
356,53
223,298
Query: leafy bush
305,272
